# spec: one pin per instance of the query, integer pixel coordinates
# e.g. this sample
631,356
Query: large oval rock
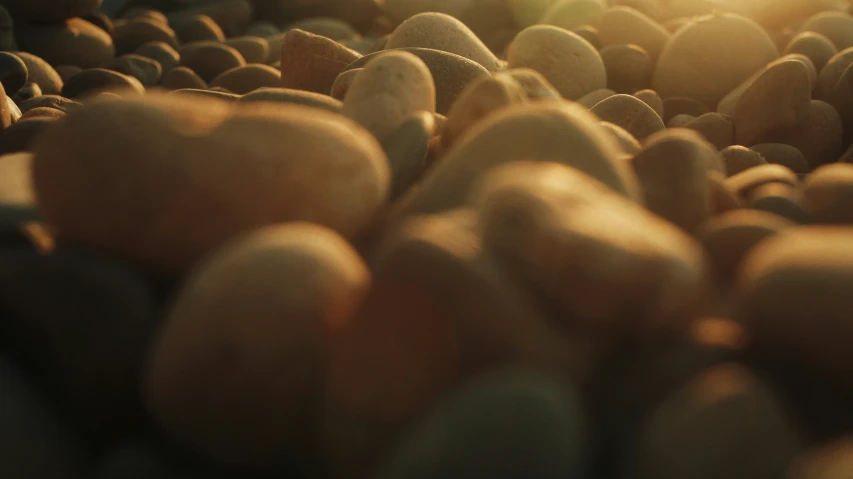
548,131
451,73
200,173
250,333
74,42
709,57
565,59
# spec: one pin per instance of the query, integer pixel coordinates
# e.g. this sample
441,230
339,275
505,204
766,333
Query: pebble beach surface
426,239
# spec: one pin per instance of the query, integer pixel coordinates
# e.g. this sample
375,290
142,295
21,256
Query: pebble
312,62
254,49
331,28
793,291
41,73
817,47
146,70
630,113
181,77
128,37
296,97
50,101
283,341
162,53
248,78
199,28
571,64
13,72
445,33
785,155
28,91
781,199
97,80
717,128
233,16
451,73
828,193
210,59
740,158
352,165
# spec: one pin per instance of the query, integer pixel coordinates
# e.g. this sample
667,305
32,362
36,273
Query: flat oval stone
312,62
248,78
451,73
75,42
210,59
253,49
182,77
41,73
162,53
144,69
97,80
254,154
295,97
199,28
630,113
128,37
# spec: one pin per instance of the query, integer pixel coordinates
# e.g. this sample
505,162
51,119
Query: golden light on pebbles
249,333
605,261
165,180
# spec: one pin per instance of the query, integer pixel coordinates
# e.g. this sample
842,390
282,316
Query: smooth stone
41,73
96,80
13,72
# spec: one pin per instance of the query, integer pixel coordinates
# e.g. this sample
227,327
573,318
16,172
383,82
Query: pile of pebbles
426,239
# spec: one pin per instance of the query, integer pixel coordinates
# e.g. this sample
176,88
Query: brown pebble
542,131
162,53
43,111
247,78
651,98
631,113
740,158
778,99
728,238
828,194
144,69
442,32
253,49
834,69
75,42
817,47
836,26
199,28
595,97
721,415
407,150
571,64
96,80
675,106
745,182
450,72
673,172
629,68
392,87
480,99
135,33
717,128
41,73
210,59
627,26
785,155
534,84
312,62
50,101
524,204
182,77
795,299
780,199
208,154
819,136
342,83
296,97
